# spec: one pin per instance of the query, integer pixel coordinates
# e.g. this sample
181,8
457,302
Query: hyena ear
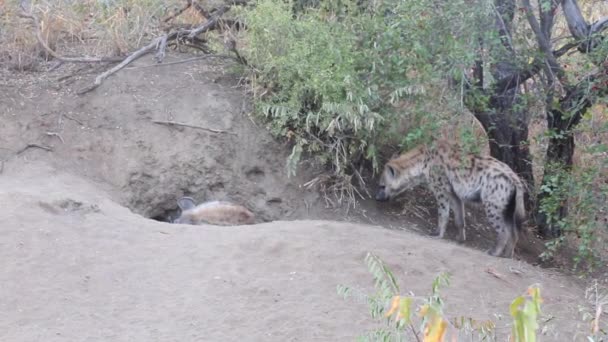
391,171
185,203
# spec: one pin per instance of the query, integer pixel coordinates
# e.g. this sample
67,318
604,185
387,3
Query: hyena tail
520,208
515,212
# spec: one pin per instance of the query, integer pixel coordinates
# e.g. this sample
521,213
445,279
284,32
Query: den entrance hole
167,216
155,195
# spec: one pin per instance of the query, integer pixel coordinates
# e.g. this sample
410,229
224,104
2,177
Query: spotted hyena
213,212
455,177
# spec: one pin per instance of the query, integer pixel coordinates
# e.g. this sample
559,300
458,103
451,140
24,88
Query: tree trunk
561,147
560,151
507,128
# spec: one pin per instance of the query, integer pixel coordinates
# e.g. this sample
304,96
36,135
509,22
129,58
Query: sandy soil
77,266
82,260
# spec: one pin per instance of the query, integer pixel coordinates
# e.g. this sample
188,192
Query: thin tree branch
580,29
534,68
545,45
546,17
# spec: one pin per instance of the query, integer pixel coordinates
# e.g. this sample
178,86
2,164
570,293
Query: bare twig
161,47
56,66
55,134
174,123
73,119
231,46
28,146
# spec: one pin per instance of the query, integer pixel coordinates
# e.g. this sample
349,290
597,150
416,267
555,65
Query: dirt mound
79,266
119,136
82,177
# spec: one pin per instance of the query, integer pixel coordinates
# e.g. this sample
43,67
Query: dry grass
85,28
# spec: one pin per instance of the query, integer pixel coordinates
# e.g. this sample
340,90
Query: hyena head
400,174
185,204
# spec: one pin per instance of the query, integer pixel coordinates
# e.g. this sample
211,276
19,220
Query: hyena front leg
458,208
443,213
494,215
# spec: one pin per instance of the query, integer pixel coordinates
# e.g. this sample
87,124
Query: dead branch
73,119
28,146
135,55
161,47
55,134
174,123
159,44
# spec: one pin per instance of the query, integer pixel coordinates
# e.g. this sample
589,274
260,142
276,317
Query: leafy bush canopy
343,79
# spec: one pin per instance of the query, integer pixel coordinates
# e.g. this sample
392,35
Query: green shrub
333,79
583,190
427,321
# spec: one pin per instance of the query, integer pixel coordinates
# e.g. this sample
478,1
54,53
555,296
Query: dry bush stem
55,134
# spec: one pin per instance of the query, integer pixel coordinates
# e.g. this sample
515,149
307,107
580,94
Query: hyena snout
381,194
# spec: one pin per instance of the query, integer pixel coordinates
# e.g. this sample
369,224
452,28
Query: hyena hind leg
459,218
443,213
503,230
514,237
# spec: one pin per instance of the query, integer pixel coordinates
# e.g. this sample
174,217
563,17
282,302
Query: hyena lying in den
455,177
215,212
